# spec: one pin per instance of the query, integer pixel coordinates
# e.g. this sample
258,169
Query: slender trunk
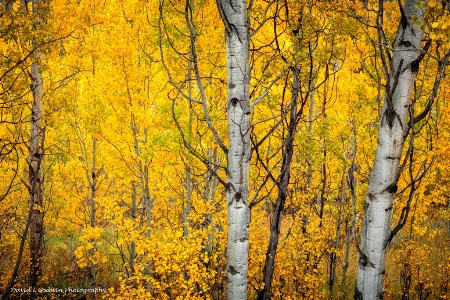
93,186
143,174
187,208
333,258
324,186
208,180
321,198
310,126
72,257
148,220
35,163
133,217
348,232
310,140
234,17
35,176
288,151
148,205
142,164
384,175
191,114
145,190
12,280
210,193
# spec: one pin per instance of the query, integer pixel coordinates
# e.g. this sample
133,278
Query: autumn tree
11,78
234,17
36,157
400,70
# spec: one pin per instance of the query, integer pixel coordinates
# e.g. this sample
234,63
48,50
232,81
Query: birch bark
384,175
34,177
36,155
234,17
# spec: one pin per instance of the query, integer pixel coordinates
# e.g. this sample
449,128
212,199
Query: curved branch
188,14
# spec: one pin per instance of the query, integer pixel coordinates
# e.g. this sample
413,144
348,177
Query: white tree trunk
384,176
234,16
35,180
35,159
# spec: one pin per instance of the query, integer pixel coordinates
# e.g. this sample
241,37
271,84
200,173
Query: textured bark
384,175
234,17
275,225
35,177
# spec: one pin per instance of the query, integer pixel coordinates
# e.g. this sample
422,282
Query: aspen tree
36,156
9,83
393,130
234,17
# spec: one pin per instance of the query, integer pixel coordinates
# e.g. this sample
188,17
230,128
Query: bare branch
266,91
